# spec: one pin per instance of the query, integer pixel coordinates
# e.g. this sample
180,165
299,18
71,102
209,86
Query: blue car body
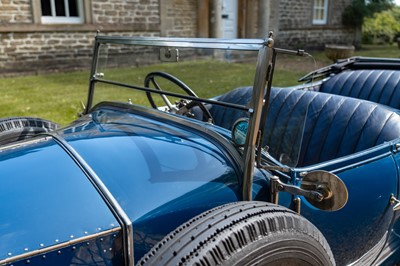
130,154
107,188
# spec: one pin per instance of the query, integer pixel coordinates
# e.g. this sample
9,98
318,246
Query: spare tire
243,233
19,128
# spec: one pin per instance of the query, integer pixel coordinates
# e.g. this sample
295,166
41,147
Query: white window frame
53,19
320,8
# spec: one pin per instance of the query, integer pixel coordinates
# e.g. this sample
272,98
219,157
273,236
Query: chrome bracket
297,204
169,55
278,186
395,202
396,148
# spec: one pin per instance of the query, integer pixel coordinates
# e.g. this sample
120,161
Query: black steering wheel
184,106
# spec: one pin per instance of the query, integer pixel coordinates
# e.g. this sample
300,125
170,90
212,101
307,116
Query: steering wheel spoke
182,107
163,96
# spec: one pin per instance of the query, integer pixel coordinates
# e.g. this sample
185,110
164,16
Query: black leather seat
380,86
334,126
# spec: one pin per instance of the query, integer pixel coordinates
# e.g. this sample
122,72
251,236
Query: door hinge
395,202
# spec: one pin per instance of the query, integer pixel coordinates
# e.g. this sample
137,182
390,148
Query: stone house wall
28,46
120,12
179,18
14,11
296,30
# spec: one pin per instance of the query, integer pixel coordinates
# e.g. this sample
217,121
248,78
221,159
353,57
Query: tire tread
252,222
18,128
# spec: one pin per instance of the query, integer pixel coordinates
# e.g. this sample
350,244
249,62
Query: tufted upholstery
335,126
225,117
380,86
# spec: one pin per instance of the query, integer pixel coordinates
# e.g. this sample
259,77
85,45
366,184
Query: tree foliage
358,10
383,27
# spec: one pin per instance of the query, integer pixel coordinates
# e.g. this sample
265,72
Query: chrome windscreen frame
256,45
254,109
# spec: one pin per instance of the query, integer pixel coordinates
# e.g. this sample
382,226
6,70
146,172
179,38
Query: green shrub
382,28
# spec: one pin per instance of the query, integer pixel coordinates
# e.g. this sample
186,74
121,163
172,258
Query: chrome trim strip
210,43
58,246
340,161
23,143
354,165
112,203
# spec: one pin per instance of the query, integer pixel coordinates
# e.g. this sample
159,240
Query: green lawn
54,96
58,97
380,51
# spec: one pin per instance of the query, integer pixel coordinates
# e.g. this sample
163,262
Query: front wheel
243,233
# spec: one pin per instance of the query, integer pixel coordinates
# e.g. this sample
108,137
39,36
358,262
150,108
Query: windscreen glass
124,71
206,72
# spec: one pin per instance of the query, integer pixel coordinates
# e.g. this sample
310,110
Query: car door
361,226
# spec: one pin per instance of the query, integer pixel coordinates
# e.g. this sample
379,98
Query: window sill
316,27
9,28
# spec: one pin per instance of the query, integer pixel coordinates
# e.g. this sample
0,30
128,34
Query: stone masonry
28,46
295,30
15,11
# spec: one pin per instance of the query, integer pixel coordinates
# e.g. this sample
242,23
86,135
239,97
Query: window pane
46,8
60,8
73,8
62,12
320,11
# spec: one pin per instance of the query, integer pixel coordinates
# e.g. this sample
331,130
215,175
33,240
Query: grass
391,51
58,97
55,96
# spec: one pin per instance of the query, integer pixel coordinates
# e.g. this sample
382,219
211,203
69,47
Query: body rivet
9,254
59,252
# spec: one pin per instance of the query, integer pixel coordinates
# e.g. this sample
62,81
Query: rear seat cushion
335,126
380,86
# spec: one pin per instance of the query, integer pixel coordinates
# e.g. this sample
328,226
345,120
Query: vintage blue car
306,175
